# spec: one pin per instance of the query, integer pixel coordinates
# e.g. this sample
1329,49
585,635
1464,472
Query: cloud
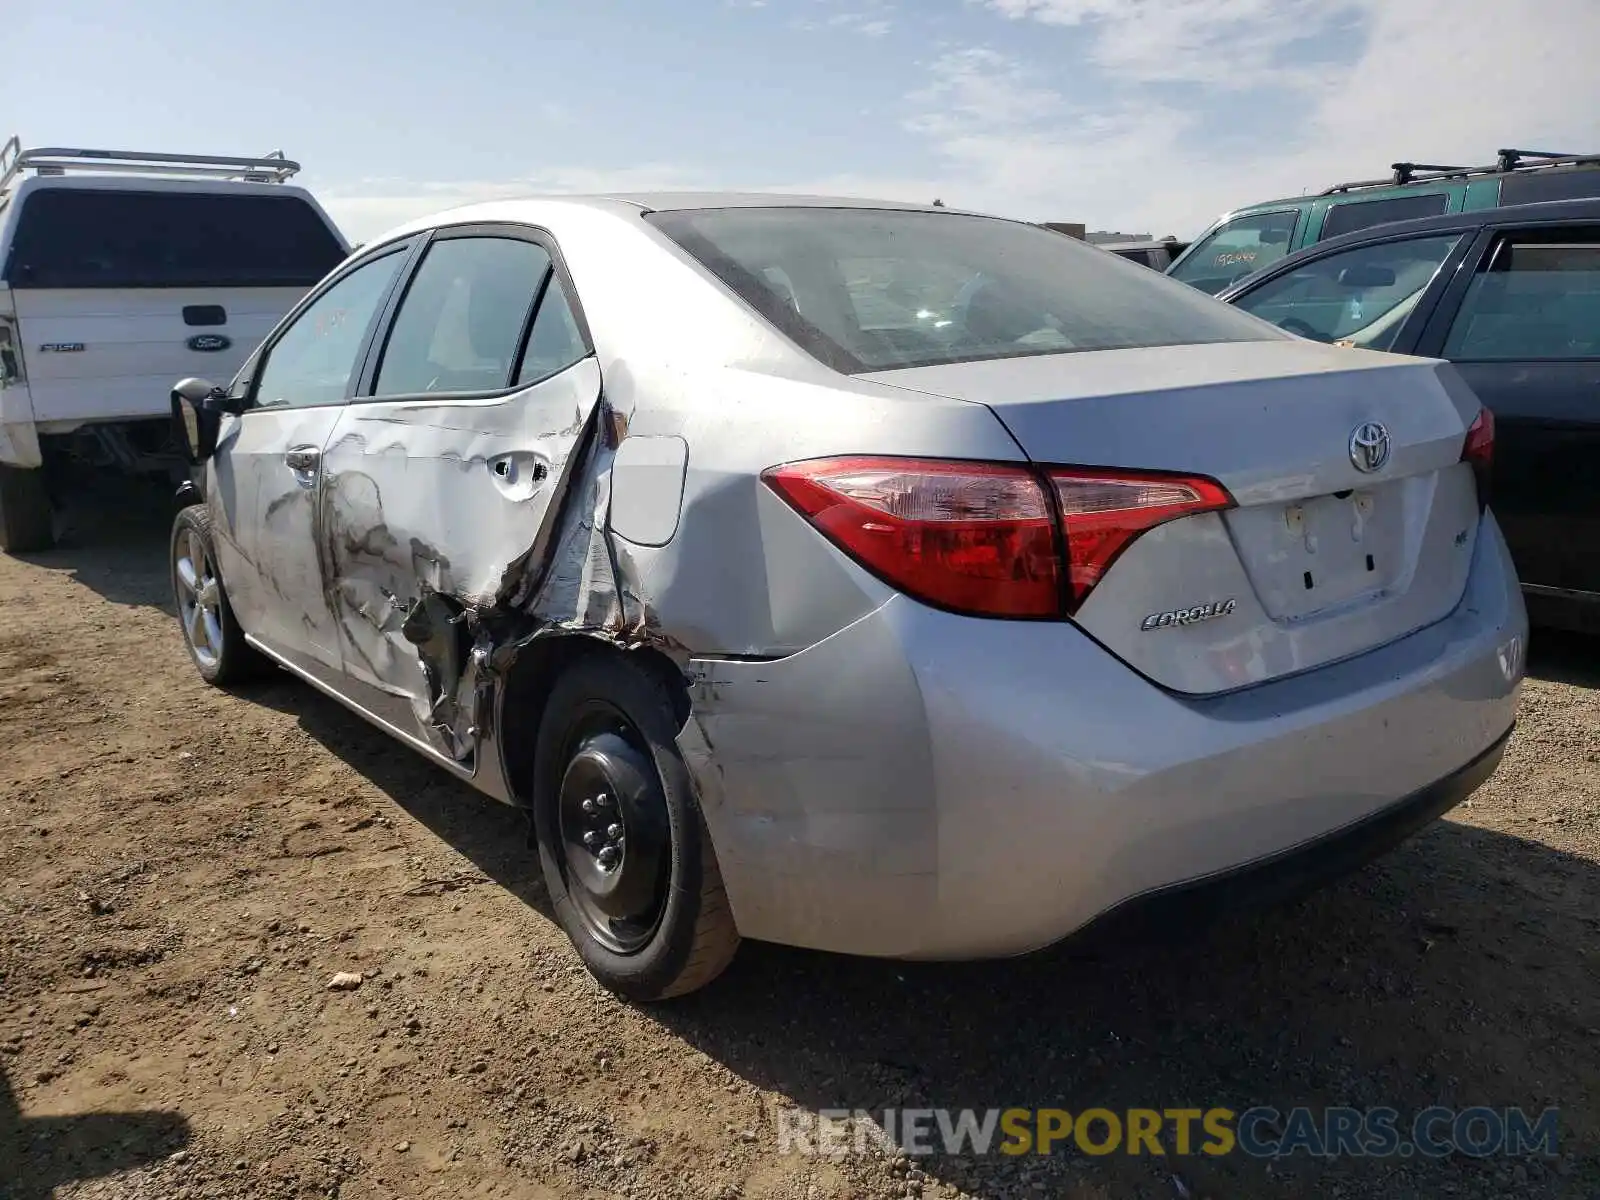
1167,143
869,19
1156,115
1221,43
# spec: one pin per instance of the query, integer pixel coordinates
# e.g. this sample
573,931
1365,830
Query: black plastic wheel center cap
613,829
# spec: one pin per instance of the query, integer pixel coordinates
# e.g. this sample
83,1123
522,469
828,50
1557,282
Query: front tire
26,522
625,852
210,631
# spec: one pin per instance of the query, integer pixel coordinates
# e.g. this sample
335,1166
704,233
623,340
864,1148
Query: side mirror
1366,277
197,409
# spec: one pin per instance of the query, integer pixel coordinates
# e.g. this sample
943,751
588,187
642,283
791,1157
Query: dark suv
1511,296
1251,238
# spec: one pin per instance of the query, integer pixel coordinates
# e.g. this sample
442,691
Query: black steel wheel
624,849
615,835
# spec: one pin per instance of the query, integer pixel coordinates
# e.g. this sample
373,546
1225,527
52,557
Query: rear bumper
921,785
1291,873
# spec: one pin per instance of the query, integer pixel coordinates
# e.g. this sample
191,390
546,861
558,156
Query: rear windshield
874,289
92,238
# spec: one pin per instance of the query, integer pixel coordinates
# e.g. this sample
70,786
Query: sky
1144,116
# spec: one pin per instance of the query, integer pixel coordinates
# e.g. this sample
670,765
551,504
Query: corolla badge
1189,616
1369,447
209,343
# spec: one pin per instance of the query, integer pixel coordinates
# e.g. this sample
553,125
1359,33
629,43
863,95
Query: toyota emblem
1369,447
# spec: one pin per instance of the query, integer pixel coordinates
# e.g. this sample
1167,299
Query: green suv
1251,238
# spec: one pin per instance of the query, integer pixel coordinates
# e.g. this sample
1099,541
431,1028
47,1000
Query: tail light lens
986,539
1479,451
971,537
1102,512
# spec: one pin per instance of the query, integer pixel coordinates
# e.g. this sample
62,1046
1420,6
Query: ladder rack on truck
58,160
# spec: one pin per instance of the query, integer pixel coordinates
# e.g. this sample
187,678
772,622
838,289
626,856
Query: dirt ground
182,871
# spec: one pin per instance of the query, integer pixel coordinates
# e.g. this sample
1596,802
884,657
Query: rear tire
211,633
26,522
651,921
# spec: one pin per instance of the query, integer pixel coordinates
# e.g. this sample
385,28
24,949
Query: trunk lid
1319,561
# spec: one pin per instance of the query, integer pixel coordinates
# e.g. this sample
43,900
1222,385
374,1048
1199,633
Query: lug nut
613,832
588,808
608,856
603,800
590,838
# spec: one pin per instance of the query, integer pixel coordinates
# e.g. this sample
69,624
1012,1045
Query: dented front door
268,467
437,481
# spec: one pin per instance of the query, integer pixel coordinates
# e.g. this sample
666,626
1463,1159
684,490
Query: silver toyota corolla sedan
883,579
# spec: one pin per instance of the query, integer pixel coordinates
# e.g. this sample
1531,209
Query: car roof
535,209
1547,211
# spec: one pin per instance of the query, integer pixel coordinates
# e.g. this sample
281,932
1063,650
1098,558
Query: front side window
1360,297
460,325
1236,248
1538,299
314,359
872,289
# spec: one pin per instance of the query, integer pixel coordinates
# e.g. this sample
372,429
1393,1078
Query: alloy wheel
199,598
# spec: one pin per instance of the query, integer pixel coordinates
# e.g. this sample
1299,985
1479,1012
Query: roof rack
54,160
1505,161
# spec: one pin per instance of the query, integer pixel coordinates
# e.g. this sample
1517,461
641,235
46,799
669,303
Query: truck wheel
627,859
26,523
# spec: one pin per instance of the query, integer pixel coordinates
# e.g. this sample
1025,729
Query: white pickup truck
119,273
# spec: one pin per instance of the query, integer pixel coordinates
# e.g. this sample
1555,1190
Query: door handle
303,458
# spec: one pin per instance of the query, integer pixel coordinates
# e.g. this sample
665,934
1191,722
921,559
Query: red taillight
1102,512
980,538
971,537
1479,451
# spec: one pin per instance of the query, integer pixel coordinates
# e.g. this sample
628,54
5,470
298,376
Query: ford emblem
209,343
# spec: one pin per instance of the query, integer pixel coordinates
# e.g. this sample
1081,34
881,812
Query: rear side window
1532,188
461,322
554,342
1363,214
99,238
873,289
1538,299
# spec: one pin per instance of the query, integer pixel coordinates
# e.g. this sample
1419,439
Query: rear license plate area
1323,552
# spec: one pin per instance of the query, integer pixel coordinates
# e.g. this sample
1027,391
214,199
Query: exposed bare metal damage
531,552
440,630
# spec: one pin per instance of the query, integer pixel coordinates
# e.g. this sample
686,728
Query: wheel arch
524,691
